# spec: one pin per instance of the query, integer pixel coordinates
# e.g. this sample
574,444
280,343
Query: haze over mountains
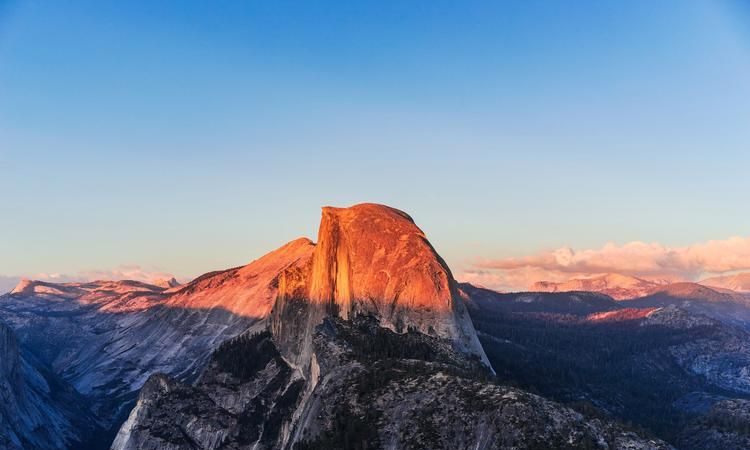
617,286
364,339
739,282
624,287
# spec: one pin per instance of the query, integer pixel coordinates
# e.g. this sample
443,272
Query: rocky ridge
106,338
372,260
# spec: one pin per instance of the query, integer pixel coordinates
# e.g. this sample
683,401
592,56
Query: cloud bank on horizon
123,272
652,261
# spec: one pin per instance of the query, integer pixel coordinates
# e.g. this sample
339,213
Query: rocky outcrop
725,424
372,388
371,259
243,399
249,291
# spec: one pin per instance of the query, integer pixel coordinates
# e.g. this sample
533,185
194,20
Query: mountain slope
107,338
368,345
636,364
37,411
370,259
373,388
575,302
718,302
728,307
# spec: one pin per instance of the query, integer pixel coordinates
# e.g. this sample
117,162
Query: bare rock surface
37,412
725,425
372,259
372,388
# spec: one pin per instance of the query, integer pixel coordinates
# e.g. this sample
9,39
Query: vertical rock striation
372,260
37,412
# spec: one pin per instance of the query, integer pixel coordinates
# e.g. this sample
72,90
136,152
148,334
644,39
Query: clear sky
192,136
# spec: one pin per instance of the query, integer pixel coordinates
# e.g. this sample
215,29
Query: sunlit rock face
105,338
247,291
372,259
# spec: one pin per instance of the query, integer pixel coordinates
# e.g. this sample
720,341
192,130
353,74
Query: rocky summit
371,260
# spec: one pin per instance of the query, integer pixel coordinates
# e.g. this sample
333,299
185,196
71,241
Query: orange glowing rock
247,291
373,259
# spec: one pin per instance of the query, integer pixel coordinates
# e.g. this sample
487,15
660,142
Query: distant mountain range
739,282
617,286
626,287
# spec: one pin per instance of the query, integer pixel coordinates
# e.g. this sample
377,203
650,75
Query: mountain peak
23,286
167,283
366,209
376,252
372,259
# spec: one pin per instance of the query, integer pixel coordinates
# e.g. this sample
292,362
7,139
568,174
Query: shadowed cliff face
371,259
37,411
8,354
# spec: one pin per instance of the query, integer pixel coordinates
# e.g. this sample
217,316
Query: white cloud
646,260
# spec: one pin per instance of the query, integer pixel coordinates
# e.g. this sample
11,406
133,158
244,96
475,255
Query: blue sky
193,136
